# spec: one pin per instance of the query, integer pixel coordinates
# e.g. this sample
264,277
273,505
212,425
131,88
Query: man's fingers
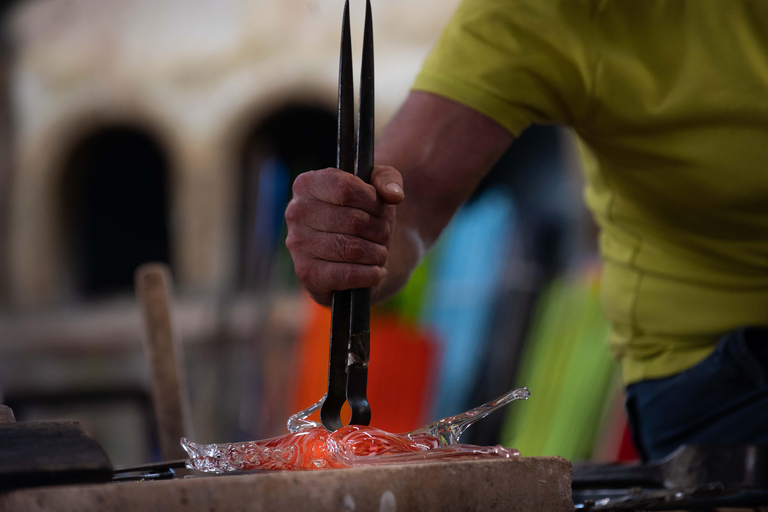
330,218
322,277
340,188
388,183
334,247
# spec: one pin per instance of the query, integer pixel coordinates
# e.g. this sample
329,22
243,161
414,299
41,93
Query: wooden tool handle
154,289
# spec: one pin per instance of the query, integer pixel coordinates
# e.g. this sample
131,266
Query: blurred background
170,131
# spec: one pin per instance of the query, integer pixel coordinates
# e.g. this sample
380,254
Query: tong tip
345,135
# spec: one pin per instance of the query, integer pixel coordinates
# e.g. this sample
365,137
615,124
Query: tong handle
359,352
351,309
360,321
330,411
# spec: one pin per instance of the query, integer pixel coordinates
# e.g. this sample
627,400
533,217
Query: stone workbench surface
528,484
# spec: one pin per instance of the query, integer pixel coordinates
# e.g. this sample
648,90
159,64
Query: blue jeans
721,400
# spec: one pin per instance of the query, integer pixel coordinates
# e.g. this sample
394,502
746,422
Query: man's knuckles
302,183
306,273
352,249
358,276
321,277
353,221
297,211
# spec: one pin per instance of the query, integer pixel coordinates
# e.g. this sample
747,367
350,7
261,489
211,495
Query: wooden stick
154,290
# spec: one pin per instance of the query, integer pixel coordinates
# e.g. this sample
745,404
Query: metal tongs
351,309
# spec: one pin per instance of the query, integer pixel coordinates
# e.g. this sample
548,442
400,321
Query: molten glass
310,446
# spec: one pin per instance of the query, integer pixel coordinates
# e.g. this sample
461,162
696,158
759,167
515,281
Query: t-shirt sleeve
516,61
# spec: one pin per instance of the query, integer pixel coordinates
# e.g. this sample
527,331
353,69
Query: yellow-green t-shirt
669,99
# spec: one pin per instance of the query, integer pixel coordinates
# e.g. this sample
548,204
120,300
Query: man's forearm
443,150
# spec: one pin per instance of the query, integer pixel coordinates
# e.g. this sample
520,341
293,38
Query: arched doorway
115,193
294,139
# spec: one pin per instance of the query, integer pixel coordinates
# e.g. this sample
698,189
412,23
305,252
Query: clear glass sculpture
308,445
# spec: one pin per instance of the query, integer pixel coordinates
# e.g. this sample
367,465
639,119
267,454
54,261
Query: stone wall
197,75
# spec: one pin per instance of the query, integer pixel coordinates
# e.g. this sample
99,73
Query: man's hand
339,228
342,233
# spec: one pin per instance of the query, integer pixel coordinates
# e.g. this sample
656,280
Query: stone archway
292,140
115,202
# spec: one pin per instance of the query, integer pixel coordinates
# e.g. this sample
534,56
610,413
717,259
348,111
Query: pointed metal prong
345,134
357,373
365,115
330,412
